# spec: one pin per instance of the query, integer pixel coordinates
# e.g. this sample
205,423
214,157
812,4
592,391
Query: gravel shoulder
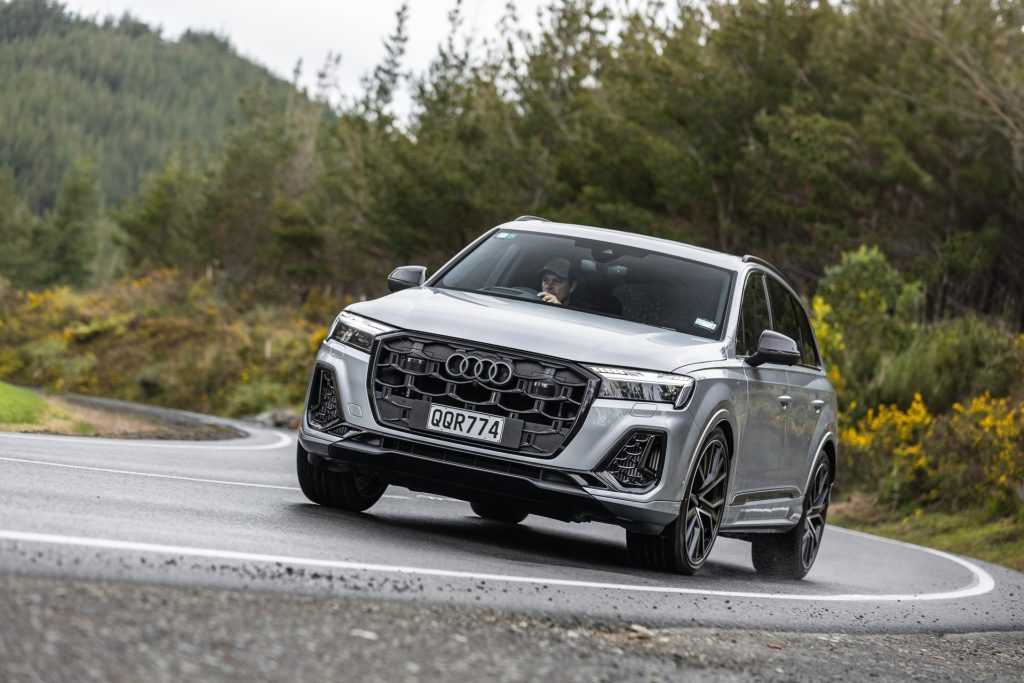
58,630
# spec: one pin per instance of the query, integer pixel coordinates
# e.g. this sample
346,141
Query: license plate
465,423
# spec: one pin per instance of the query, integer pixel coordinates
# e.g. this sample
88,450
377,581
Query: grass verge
19,406
28,412
970,533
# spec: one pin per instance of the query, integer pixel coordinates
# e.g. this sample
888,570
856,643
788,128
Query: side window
783,313
753,315
808,352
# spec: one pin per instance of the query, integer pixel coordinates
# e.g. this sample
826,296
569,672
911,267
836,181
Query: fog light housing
323,411
635,465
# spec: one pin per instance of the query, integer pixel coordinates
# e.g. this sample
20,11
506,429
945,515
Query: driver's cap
558,266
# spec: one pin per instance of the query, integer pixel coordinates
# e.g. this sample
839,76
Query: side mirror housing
773,347
405,277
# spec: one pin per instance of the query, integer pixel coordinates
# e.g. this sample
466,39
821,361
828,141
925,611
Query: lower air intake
636,464
323,412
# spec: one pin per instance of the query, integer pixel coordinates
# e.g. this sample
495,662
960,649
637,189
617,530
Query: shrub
883,449
250,398
948,362
973,455
866,310
976,455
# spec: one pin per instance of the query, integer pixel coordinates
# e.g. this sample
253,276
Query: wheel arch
829,448
826,447
722,416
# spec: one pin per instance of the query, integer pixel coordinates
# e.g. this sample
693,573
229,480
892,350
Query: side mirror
773,347
405,277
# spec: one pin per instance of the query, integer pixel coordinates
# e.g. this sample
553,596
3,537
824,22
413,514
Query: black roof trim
761,262
532,218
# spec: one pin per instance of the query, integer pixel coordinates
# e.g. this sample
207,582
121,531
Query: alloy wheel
705,501
813,525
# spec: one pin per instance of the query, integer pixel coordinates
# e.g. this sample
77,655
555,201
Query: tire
342,490
791,555
684,545
498,513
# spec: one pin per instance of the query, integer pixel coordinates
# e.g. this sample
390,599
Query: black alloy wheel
351,491
791,555
498,513
685,544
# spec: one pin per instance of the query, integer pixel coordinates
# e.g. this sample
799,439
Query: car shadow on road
521,544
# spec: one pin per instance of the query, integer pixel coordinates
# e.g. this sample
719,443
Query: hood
538,328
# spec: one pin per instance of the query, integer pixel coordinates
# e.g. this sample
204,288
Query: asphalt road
229,514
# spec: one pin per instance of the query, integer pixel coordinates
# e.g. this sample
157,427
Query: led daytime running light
644,385
357,331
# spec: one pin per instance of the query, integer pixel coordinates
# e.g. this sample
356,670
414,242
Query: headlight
357,331
644,385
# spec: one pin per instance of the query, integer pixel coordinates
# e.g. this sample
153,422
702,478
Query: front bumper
571,492
536,489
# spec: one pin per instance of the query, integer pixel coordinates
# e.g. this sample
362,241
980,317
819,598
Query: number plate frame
472,425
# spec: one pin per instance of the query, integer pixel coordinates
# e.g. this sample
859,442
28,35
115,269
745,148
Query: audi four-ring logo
497,372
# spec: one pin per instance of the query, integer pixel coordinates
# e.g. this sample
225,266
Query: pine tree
16,227
67,239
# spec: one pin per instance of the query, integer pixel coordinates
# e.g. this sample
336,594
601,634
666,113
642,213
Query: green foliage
160,226
948,362
163,339
971,457
66,241
18,406
116,93
18,262
792,129
873,310
251,398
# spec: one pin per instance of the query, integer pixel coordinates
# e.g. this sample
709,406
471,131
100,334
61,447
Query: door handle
818,405
785,401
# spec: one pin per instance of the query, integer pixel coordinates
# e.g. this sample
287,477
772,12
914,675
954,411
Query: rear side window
753,315
791,321
808,351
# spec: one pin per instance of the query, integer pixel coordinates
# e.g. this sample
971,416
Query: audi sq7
585,374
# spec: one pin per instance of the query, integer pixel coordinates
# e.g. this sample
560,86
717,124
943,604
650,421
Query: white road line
167,476
281,441
981,576
150,474
982,583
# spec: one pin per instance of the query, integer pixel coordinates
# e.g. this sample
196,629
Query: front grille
541,400
323,411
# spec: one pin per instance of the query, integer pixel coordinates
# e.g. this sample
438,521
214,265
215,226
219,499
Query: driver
557,282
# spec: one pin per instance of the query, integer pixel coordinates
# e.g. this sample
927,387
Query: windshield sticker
505,236
706,324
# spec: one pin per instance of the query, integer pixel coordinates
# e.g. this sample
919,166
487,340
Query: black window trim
807,318
768,301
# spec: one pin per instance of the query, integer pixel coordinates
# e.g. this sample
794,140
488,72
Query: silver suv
585,374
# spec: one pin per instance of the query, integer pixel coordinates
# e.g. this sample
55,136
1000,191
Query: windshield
597,277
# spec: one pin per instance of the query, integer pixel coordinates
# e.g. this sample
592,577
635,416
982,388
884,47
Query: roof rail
761,262
532,218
